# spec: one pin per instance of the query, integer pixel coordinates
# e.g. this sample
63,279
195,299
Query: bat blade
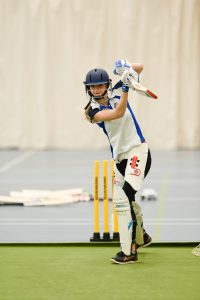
140,89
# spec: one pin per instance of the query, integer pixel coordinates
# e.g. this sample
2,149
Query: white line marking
86,220
182,199
16,161
91,223
172,219
45,224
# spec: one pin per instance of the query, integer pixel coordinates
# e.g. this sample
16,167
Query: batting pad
139,227
122,208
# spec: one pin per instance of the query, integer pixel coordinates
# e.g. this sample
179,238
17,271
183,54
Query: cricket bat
10,200
122,66
46,197
140,89
47,193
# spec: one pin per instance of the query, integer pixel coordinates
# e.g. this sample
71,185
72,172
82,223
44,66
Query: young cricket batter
109,108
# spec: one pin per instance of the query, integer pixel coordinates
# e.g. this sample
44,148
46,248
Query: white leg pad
122,208
137,159
139,227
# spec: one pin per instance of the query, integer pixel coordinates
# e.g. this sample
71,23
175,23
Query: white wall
47,46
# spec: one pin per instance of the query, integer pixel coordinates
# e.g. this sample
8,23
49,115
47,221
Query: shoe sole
145,245
123,263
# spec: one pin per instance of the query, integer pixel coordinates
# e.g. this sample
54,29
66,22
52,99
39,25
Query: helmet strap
109,89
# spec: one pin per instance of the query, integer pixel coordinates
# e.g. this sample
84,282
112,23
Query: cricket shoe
122,259
147,241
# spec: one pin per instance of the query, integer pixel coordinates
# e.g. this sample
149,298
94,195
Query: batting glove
125,76
122,65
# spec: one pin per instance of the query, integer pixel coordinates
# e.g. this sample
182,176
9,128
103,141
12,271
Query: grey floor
174,217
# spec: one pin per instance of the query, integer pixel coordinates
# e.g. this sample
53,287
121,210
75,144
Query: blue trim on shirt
118,85
139,132
102,125
102,107
130,224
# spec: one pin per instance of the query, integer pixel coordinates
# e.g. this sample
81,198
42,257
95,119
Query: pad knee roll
120,200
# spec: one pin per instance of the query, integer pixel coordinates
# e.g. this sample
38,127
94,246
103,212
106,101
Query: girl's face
98,90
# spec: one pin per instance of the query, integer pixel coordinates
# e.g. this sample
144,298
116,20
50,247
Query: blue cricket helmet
97,76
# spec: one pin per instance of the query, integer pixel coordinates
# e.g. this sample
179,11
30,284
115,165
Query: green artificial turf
47,273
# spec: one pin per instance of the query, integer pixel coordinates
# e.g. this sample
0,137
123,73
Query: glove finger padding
124,77
139,226
122,65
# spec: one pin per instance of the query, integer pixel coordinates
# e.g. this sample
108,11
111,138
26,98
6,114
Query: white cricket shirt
123,133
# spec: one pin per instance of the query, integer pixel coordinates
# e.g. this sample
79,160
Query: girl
109,108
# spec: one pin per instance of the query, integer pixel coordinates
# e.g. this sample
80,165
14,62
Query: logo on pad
134,165
136,172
